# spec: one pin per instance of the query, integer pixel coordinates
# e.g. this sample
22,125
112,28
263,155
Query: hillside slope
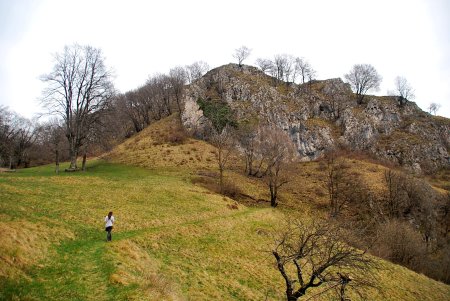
173,240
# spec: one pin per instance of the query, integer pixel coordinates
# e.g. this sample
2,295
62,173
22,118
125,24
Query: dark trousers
108,233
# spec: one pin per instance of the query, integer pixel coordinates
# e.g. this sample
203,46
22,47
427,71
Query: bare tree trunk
221,168
57,161
83,165
221,181
273,195
73,158
10,162
73,153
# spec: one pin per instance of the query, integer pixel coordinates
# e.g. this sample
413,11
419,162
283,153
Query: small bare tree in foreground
320,258
241,54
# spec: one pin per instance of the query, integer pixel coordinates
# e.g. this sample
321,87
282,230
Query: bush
400,243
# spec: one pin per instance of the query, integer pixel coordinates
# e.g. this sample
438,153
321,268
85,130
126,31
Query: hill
173,240
322,115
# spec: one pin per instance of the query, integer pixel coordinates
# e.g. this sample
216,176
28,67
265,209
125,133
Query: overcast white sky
410,38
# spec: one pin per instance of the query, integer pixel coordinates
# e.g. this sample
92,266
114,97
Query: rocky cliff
322,115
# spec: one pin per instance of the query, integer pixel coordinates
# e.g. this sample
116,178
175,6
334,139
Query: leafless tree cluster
362,78
27,142
407,224
196,70
51,144
79,90
287,68
161,96
314,255
17,136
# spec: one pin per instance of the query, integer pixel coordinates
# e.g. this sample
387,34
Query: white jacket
109,222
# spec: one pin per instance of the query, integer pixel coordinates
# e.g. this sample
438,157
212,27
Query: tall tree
362,78
79,88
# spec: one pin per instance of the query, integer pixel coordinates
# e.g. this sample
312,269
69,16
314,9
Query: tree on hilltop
241,54
362,78
403,90
433,108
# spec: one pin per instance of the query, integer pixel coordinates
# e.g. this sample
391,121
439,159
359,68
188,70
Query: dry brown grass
136,267
164,145
23,244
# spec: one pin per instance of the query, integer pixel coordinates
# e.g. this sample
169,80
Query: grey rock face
322,115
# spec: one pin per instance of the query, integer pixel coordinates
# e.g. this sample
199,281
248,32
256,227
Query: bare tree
247,135
17,136
335,99
320,258
177,80
280,63
304,69
24,140
224,143
241,54
8,132
395,193
433,108
196,70
79,88
277,151
336,184
163,94
52,135
265,65
403,90
362,78
136,107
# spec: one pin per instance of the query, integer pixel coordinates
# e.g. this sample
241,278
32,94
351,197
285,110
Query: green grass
172,241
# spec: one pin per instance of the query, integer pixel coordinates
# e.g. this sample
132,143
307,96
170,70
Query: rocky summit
321,115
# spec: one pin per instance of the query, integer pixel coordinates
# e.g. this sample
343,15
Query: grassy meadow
172,240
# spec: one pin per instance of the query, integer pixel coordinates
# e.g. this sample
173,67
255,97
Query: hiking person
109,220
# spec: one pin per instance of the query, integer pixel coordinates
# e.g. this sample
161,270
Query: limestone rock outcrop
322,115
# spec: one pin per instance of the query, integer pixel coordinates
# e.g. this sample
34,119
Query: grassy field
173,240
